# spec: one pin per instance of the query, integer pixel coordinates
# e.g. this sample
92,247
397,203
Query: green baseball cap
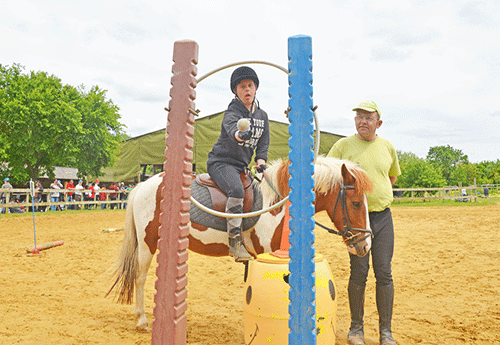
370,106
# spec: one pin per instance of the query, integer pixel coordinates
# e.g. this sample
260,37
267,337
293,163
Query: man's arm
393,179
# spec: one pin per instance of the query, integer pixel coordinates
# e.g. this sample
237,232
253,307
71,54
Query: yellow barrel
265,309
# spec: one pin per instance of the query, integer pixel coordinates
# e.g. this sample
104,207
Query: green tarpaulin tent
148,150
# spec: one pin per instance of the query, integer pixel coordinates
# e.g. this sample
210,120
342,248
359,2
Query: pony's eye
356,204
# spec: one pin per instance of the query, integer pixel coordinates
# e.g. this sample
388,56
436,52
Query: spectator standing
87,194
113,195
128,189
61,207
96,189
123,195
69,196
5,196
103,196
78,193
37,197
54,195
91,195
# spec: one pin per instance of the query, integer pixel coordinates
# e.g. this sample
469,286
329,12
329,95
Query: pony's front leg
144,263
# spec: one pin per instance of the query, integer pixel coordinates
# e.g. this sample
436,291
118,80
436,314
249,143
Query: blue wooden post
302,292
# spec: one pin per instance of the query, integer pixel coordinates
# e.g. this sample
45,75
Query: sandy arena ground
446,271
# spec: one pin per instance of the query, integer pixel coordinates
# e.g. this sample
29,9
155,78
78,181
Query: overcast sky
433,67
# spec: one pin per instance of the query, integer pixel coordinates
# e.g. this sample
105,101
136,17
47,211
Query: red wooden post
170,323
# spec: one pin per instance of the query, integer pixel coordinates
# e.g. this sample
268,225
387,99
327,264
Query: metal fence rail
444,193
25,195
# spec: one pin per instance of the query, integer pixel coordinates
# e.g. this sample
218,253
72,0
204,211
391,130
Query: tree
446,159
489,172
44,123
406,157
464,174
102,132
416,172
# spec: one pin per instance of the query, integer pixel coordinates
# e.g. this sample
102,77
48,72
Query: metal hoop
237,215
281,68
242,63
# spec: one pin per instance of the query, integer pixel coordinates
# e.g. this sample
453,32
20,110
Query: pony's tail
125,267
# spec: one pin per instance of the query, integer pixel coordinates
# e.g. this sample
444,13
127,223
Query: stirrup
238,251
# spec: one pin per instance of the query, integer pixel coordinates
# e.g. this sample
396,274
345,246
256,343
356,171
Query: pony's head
340,188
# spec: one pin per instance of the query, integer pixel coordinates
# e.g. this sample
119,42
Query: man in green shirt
378,158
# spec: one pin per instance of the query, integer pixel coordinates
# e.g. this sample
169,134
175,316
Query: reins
267,180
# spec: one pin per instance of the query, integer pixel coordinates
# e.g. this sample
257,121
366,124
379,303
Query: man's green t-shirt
379,159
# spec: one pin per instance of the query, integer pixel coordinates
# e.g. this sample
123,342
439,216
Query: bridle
350,238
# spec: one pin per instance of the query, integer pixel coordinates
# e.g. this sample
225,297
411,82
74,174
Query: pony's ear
357,178
347,176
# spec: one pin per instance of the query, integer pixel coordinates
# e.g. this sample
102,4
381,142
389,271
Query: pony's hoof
144,328
142,323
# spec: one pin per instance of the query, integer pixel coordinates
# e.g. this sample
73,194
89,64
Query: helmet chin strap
255,103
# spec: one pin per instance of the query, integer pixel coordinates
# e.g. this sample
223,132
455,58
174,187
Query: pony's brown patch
276,240
277,210
199,227
211,249
151,230
256,242
283,177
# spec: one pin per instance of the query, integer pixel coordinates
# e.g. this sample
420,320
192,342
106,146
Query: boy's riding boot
385,301
357,305
236,246
237,249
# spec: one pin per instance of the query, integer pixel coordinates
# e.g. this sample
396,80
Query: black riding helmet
243,73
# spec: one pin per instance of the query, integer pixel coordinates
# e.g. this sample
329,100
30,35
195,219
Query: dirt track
446,271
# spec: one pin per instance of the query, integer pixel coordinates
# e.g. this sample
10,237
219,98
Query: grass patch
429,203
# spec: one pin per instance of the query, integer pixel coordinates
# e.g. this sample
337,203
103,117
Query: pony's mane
327,175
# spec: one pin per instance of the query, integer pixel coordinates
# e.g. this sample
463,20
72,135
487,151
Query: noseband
350,238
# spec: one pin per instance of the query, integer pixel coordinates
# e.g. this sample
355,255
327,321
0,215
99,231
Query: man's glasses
367,118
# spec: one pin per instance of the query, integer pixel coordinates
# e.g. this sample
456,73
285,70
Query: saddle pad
201,194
